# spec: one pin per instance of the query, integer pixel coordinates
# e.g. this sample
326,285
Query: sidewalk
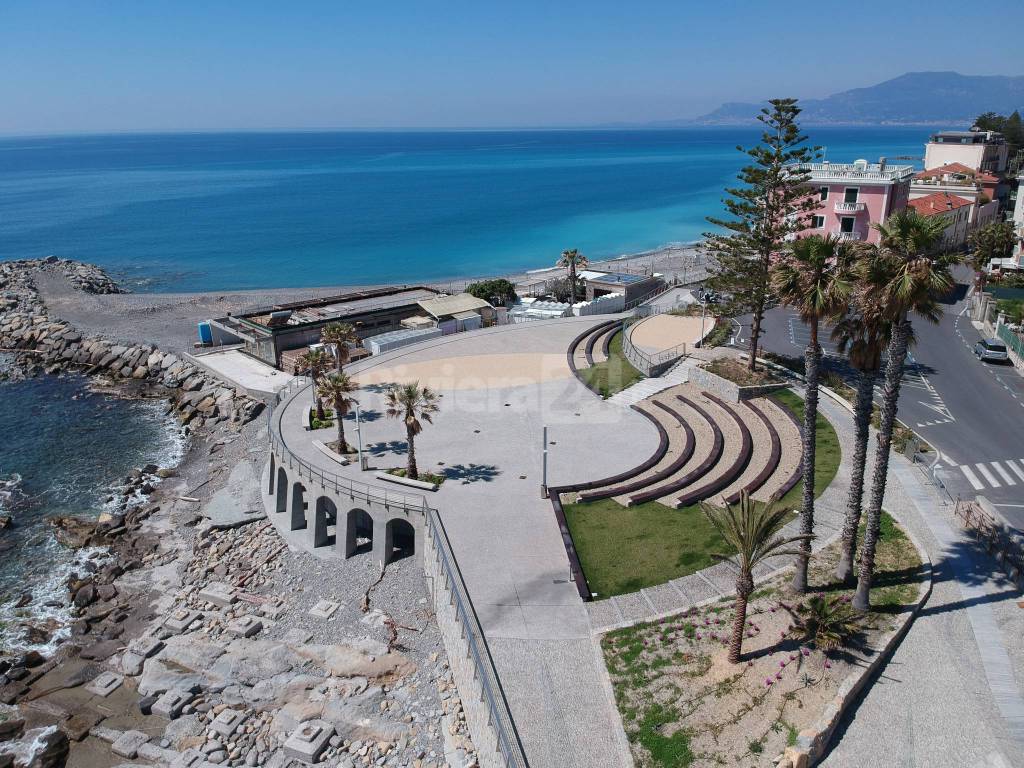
951,694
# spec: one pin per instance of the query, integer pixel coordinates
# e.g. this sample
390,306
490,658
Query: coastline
165,553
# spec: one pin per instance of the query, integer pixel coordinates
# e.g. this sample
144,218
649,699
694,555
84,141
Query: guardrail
647,297
1001,541
509,744
650,364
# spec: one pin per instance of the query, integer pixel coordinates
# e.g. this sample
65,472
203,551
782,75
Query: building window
817,222
850,195
824,193
846,223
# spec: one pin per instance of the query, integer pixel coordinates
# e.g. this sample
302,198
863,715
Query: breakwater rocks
45,344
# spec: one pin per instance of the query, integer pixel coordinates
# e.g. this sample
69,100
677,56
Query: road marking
950,462
1003,473
988,476
1012,465
972,478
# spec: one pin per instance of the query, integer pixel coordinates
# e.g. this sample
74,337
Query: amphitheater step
733,463
765,457
597,345
788,472
645,388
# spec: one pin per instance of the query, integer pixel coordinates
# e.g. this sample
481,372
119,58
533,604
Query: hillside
916,97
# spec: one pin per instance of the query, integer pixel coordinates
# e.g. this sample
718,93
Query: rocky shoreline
198,642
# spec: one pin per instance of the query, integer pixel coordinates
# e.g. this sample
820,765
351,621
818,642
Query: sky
111,65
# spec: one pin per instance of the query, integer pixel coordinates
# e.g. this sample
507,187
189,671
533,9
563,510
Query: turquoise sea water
230,211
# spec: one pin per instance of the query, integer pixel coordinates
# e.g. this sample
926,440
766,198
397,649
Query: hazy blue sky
91,66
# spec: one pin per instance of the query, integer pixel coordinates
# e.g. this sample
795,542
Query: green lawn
623,550
614,374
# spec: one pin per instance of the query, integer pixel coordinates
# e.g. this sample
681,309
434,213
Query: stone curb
812,742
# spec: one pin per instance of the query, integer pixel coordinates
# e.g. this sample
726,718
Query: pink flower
792,657
805,651
782,664
750,663
778,675
828,664
768,682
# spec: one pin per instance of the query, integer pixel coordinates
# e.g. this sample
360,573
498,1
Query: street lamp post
544,464
359,439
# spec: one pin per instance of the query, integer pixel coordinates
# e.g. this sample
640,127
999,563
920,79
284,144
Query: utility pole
544,464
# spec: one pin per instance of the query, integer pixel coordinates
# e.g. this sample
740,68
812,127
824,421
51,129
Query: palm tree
910,273
754,531
337,388
315,362
411,403
572,260
993,241
861,336
812,277
339,336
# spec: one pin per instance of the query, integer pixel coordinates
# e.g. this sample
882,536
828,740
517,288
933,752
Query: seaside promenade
504,534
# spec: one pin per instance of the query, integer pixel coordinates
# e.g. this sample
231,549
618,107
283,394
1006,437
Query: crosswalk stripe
1003,473
1010,463
971,477
988,476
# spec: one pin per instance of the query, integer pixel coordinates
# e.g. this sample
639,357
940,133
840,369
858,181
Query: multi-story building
977,187
853,196
955,210
977,149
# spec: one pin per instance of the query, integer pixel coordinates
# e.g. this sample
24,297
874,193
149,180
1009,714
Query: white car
991,349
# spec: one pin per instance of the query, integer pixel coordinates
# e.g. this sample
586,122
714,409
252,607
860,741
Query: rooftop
447,306
937,202
621,278
860,170
966,137
337,307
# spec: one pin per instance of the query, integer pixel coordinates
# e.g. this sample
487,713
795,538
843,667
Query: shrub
828,623
501,292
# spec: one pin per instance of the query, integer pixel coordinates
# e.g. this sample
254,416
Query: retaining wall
730,390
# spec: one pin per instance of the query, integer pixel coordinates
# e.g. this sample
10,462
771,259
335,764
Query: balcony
854,235
842,207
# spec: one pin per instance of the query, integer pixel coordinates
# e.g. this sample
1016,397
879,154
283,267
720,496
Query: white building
979,150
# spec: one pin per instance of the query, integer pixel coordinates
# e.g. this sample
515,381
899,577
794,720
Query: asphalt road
972,412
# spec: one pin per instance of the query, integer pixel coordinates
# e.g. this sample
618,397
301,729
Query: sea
188,212
219,212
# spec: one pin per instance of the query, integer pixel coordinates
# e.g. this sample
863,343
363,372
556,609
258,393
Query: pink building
853,196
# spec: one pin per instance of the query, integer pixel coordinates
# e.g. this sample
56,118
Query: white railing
849,171
855,235
843,207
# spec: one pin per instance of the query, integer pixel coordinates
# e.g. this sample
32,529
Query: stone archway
271,475
298,506
281,502
358,532
400,540
325,518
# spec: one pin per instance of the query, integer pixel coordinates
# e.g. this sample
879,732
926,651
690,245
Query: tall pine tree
773,204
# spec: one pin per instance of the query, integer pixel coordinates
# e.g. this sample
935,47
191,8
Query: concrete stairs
677,374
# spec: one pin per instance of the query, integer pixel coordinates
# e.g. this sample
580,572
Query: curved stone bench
641,479
754,484
717,446
728,474
650,461
604,338
794,477
573,352
607,342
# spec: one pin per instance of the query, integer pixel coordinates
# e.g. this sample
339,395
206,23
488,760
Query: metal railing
508,741
1002,542
650,364
647,297
509,744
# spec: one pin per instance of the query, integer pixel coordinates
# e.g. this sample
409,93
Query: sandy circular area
661,332
495,371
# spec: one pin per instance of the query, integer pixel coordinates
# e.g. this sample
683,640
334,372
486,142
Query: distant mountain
916,97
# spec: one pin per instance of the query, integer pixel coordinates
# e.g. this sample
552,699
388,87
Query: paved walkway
950,695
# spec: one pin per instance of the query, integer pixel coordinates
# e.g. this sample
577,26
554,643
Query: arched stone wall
399,539
273,475
325,517
298,506
281,500
359,524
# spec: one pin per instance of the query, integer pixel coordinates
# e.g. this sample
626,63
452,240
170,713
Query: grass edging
811,743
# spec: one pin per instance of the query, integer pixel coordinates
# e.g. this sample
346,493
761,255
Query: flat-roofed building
853,196
268,332
606,283
977,149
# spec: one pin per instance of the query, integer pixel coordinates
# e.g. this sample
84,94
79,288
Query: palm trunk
812,363
755,335
744,586
337,357
411,471
342,445
572,285
319,401
862,423
873,514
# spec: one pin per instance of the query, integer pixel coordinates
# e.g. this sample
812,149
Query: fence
1002,542
499,717
650,364
1013,340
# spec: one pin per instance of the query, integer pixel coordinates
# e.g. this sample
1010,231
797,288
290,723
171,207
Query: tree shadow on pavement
397,447
472,473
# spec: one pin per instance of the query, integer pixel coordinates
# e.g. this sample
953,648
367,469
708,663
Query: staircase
677,374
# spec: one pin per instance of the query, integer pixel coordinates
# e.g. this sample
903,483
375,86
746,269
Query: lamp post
359,439
544,464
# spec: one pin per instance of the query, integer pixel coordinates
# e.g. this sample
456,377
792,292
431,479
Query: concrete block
324,609
187,759
181,619
128,743
309,740
171,703
297,636
218,593
146,647
227,722
245,626
104,684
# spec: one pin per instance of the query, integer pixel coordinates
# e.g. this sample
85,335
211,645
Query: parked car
991,349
